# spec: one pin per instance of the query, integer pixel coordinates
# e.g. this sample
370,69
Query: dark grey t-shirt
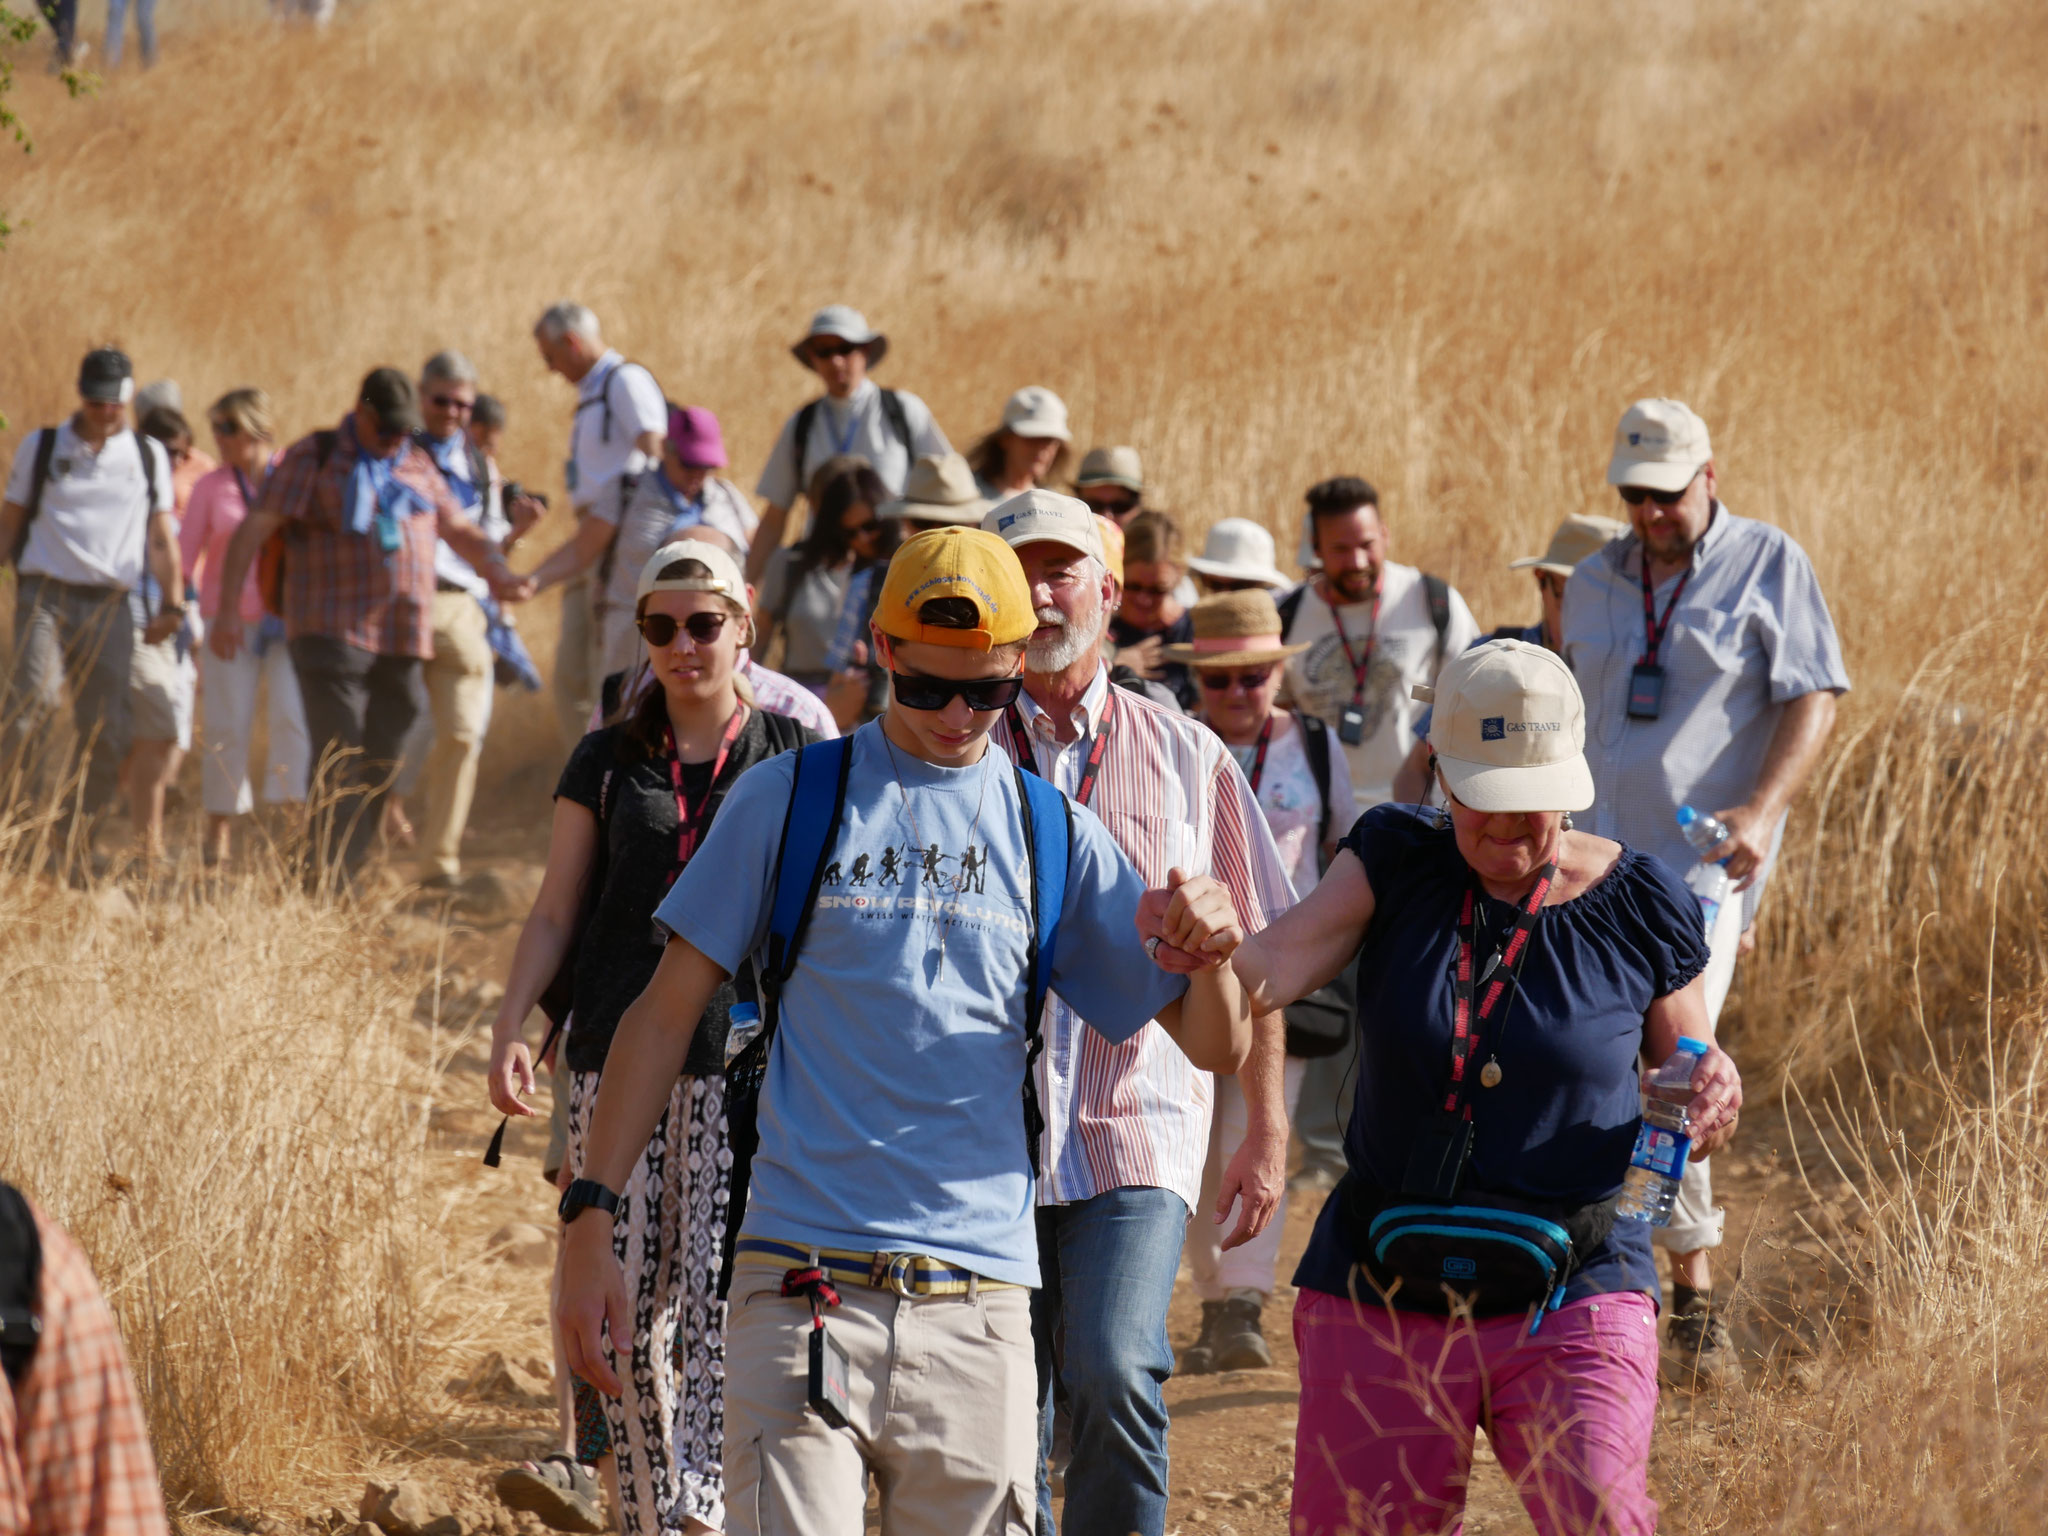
637,813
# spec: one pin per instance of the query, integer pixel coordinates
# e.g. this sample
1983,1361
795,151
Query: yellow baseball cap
960,563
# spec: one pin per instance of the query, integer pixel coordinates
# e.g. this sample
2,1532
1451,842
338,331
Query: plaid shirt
1137,1114
340,584
74,1451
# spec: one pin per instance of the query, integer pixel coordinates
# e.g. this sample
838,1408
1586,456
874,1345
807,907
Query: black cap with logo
388,393
106,375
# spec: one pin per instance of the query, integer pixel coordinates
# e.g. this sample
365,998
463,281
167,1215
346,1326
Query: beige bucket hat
1234,629
1111,466
1509,729
1578,537
1238,549
848,324
939,489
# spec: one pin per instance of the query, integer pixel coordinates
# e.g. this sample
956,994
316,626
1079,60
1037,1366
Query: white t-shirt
1293,806
1321,679
597,455
91,528
855,425
650,522
488,514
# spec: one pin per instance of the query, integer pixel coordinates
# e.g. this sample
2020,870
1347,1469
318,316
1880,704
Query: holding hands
1190,924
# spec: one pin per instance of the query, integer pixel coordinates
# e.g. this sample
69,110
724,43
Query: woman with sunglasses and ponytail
1472,1268
632,807
1235,656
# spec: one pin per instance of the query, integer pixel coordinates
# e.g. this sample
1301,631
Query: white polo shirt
484,506
601,440
91,528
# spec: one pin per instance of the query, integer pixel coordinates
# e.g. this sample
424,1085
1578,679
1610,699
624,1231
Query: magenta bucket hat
693,433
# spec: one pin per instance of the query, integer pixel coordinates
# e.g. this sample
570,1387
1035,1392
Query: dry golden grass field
1441,246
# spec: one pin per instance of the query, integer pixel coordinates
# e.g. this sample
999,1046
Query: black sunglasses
451,403
835,348
1217,681
1636,495
1107,506
984,695
659,629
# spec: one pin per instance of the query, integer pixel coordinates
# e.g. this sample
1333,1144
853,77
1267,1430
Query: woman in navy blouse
1491,1113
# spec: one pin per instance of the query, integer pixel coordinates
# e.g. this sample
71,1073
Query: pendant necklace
917,837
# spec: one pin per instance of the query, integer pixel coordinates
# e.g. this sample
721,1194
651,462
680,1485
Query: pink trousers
1390,1401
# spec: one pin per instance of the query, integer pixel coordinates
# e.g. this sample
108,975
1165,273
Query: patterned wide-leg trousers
667,1428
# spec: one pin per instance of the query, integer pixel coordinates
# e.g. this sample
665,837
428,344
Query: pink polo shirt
212,515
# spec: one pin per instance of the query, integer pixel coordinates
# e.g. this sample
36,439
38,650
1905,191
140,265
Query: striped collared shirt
338,583
1137,1114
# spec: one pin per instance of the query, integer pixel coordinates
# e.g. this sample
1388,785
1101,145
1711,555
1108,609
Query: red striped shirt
1137,1114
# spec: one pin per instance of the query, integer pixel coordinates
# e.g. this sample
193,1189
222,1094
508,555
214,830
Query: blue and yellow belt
907,1274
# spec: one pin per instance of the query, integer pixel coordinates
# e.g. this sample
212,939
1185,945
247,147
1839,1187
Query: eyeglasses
984,695
453,403
1636,495
1134,589
1250,682
659,629
824,349
861,530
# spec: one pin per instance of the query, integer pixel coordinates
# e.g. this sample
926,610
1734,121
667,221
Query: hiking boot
1238,1344
1199,1358
1698,1353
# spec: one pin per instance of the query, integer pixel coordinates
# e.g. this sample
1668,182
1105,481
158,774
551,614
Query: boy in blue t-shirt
892,1145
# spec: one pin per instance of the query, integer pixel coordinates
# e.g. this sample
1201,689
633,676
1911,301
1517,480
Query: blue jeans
145,25
1107,1268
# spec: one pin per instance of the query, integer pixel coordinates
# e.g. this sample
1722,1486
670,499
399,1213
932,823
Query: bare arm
482,552
767,539
1796,744
646,1057
543,942
1256,1178
593,533
163,565
1716,1084
1211,1023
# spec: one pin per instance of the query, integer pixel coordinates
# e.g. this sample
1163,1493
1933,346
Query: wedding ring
1152,948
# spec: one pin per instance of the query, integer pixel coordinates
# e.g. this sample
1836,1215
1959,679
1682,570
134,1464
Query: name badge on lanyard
1646,678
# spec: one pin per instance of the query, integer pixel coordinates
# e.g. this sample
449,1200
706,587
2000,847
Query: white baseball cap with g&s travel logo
1660,445
1509,729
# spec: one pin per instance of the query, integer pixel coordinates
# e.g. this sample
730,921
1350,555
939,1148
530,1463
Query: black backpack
21,1274
1435,591
39,476
892,413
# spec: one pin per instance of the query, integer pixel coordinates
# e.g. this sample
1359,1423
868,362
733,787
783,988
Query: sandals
558,1489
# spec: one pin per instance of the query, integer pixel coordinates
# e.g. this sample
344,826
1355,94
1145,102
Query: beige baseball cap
1509,729
939,489
1046,517
1660,445
722,572
1578,537
1035,411
1111,466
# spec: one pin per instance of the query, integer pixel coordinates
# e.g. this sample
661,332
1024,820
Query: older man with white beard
1127,1126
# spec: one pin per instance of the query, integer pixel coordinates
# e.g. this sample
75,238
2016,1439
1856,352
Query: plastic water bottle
743,1023
1658,1165
1709,882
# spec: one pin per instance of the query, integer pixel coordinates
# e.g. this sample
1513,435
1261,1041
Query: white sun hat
1035,411
1509,729
1238,549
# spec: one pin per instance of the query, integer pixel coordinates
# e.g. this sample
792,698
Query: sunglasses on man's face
453,403
984,695
1250,682
1636,495
821,350
659,629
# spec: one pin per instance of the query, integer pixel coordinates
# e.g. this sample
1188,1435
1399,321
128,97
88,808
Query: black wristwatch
581,1195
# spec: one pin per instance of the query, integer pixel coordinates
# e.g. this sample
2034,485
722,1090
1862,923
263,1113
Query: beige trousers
459,683
576,662
1696,1222
944,1415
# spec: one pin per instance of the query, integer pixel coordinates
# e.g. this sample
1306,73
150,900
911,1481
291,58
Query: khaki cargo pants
944,1413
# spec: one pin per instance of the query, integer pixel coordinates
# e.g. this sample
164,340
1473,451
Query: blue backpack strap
1048,834
816,795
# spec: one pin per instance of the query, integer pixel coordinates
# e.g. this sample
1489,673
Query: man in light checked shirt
1716,691
1127,1126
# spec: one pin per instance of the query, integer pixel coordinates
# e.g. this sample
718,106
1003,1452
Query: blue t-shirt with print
892,1116
1561,1123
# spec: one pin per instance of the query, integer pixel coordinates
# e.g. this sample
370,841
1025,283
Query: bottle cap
743,1013
1687,815
1694,1047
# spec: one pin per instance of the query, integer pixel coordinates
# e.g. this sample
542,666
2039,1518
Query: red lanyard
1501,973
1258,769
1360,665
1027,759
1654,626
690,821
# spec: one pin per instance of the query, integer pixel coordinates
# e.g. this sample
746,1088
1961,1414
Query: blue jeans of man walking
1106,1276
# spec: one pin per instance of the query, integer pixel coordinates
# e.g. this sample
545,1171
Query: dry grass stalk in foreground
223,1096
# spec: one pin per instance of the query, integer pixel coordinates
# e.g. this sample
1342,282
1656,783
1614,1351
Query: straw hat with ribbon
1234,629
